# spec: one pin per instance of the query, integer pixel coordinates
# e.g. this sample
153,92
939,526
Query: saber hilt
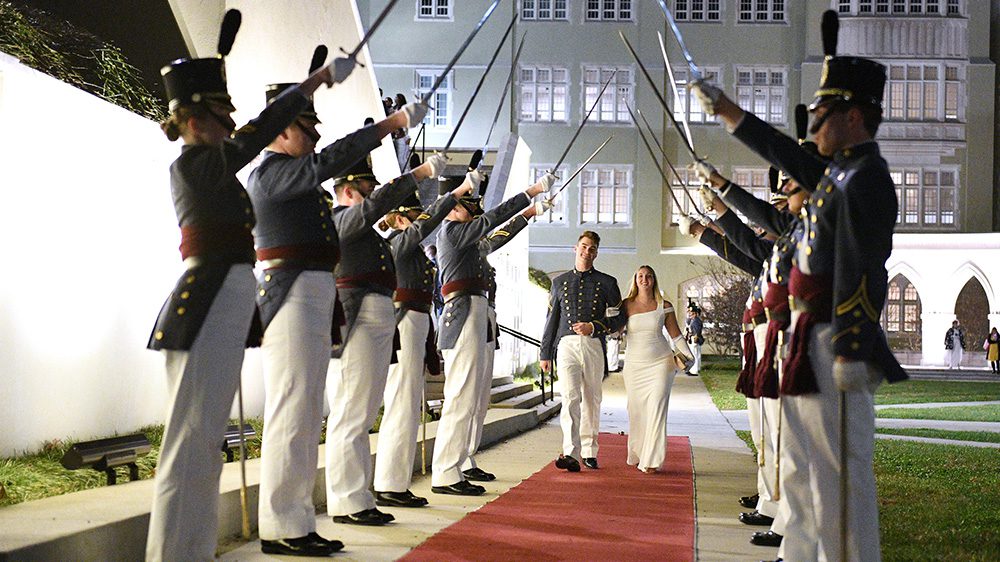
479,86
451,64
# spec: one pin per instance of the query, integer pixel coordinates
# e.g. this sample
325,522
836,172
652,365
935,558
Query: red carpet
615,513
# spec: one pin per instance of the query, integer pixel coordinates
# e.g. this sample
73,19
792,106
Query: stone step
510,391
549,410
523,401
434,389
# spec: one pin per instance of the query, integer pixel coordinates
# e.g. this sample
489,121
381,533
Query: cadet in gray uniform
202,328
397,436
462,336
491,243
366,280
583,308
838,354
298,248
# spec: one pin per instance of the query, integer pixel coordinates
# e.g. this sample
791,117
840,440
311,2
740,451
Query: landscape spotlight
106,454
232,441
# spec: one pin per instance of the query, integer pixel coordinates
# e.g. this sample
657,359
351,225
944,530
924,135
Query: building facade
938,135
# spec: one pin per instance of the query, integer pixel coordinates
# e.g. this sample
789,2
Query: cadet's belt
375,280
473,286
464,293
220,242
812,296
319,257
776,303
192,262
754,322
413,297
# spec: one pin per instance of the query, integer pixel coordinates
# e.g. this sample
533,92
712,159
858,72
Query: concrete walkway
723,466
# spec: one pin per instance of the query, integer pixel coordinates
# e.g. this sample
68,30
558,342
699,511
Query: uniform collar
856,151
583,273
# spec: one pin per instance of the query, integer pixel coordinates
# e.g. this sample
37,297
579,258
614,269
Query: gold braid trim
850,329
860,297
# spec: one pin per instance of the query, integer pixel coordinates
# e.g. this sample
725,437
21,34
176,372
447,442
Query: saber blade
364,40
585,118
454,59
506,87
678,102
580,169
479,86
652,155
695,71
682,181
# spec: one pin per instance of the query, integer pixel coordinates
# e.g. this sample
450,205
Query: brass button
159,335
447,323
841,176
819,202
809,251
247,225
181,310
243,195
322,213
381,256
185,295
812,235
267,278
262,292
190,279
383,268
857,314
247,211
855,345
323,226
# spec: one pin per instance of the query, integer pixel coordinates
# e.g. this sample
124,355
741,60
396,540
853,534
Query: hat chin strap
227,122
835,106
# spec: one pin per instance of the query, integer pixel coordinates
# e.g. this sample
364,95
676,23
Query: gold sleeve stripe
855,329
860,297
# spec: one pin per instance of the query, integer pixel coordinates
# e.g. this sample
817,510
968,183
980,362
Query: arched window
901,319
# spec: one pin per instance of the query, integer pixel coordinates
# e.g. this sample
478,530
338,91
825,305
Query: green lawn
937,502
952,413
719,375
977,436
919,392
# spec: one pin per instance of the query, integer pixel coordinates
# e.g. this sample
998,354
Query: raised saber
364,40
585,118
695,71
652,155
580,169
479,86
682,181
673,87
451,64
659,96
506,87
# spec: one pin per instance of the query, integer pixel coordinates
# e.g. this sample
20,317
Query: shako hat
853,80
360,170
411,203
693,307
193,81
472,203
272,91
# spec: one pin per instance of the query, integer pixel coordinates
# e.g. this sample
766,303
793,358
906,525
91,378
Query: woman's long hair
633,290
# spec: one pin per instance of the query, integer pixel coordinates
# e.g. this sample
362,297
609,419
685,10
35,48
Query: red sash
744,383
226,241
813,295
384,279
326,255
766,376
412,295
469,284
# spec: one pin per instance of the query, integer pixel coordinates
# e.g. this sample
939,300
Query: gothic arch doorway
901,318
971,308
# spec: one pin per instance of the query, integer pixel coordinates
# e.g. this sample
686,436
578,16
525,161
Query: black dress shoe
302,546
756,518
750,501
399,499
332,543
778,560
460,488
766,538
479,475
591,462
568,463
371,517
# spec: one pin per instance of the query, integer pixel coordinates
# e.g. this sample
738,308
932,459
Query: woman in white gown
650,367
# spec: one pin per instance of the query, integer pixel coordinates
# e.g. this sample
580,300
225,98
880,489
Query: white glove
475,177
707,197
437,163
542,206
415,112
684,225
704,170
854,376
703,220
683,352
342,68
707,93
547,181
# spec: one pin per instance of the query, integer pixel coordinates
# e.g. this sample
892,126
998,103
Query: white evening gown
649,373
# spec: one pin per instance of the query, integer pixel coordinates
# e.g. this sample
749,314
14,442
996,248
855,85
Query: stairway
504,393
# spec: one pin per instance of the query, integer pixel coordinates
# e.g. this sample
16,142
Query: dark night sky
144,30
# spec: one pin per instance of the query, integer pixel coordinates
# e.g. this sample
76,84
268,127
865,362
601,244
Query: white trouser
765,474
813,530
479,420
580,360
355,393
296,357
696,351
397,435
462,391
201,383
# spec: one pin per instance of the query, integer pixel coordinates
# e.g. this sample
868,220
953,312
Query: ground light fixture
107,454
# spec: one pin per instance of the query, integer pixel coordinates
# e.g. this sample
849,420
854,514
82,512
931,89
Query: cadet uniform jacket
366,263
414,271
744,238
295,230
846,241
216,219
581,297
461,263
729,252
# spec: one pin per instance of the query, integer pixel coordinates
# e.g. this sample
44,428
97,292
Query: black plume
230,25
368,120
483,185
414,160
319,57
477,157
830,27
773,177
801,121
